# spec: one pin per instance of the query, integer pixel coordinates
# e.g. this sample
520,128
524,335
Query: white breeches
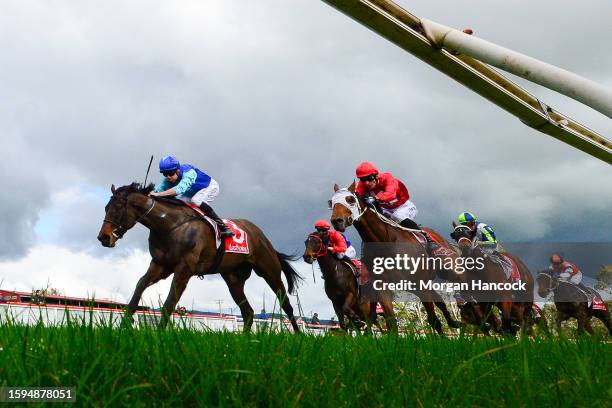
206,195
399,214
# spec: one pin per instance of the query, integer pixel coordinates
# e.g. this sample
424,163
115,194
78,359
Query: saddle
359,270
594,300
508,264
236,244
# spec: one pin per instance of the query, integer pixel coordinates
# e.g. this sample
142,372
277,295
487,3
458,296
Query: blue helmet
168,163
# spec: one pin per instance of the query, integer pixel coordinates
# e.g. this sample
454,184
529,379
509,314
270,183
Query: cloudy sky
277,100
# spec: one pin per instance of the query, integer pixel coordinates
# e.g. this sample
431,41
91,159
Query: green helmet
466,217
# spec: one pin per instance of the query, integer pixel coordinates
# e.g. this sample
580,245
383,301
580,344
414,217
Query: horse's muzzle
309,259
106,240
339,224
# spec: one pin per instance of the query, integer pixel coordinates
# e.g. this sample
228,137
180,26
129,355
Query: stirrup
225,231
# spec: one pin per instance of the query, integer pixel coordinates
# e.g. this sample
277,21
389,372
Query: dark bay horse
341,286
515,306
180,243
349,209
571,301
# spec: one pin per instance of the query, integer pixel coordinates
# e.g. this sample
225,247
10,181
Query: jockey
191,185
391,193
480,231
337,242
564,270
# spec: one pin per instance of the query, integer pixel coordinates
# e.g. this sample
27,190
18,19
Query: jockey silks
202,179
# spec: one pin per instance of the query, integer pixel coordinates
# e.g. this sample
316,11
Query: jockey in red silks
564,270
338,244
190,185
390,192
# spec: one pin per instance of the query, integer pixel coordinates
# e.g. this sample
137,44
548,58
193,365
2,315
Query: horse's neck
372,229
332,269
164,216
327,263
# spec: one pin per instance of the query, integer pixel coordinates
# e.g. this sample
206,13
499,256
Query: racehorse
180,243
515,306
572,301
341,286
349,209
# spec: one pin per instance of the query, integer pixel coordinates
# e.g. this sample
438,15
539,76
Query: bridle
322,251
552,288
121,230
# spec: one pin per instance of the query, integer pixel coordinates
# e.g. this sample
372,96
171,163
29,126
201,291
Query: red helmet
366,169
322,224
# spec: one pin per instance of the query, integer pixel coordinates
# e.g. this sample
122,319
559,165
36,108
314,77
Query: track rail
405,30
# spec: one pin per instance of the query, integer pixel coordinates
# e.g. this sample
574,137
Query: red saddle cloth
537,312
514,273
598,303
362,274
237,244
439,250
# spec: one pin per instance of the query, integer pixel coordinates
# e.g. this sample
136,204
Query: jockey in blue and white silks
191,185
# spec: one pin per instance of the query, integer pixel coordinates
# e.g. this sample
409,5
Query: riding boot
408,223
224,230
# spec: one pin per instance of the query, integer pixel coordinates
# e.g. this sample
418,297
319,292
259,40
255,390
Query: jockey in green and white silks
191,185
482,232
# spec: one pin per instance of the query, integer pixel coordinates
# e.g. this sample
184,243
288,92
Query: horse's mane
136,188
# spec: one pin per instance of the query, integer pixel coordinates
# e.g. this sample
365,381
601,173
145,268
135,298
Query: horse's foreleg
450,320
179,283
153,275
389,314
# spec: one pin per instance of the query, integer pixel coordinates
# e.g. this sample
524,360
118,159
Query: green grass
148,367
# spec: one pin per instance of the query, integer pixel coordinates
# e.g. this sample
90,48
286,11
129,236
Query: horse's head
315,247
346,207
463,235
123,211
546,283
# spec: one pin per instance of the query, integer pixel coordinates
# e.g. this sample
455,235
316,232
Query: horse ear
352,187
113,188
336,188
454,224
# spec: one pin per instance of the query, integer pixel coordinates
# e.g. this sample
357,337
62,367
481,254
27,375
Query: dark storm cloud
279,100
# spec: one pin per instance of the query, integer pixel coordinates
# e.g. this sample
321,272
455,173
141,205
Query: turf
178,367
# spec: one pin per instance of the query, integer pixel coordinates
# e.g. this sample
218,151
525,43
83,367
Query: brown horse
349,209
515,306
571,301
180,243
341,286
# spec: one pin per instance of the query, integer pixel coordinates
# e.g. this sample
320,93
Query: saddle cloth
359,270
237,244
508,265
594,299
438,249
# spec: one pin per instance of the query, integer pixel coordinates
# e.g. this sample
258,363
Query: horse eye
350,200
329,204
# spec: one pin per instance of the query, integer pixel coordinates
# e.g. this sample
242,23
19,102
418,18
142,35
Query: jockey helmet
466,217
366,169
168,163
322,224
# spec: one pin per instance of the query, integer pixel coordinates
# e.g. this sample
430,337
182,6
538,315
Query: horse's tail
293,278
